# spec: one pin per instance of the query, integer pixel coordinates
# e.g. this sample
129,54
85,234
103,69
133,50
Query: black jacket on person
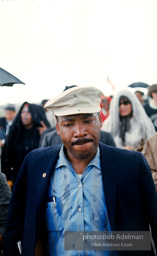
20,141
3,124
128,187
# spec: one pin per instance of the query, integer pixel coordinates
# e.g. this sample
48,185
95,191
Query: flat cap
77,100
152,88
10,107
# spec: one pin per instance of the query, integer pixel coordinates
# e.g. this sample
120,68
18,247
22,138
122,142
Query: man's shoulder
149,110
118,153
40,159
105,134
44,152
107,138
121,160
51,133
2,120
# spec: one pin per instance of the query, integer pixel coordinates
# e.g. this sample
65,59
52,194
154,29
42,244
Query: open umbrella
7,79
138,84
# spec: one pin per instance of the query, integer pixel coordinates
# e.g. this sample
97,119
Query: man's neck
79,164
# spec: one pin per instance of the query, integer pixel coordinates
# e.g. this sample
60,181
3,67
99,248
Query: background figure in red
105,104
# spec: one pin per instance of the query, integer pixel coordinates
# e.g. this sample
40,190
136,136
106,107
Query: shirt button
79,209
80,185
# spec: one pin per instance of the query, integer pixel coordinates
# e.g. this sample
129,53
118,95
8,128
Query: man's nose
80,130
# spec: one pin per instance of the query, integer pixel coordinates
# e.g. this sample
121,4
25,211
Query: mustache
85,140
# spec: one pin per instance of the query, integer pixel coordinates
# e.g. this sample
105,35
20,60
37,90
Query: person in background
150,153
128,122
49,115
24,136
139,95
51,118
5,195
105,104
81,185
6,122
151,106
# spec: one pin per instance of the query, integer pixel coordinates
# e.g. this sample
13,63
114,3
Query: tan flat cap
77,100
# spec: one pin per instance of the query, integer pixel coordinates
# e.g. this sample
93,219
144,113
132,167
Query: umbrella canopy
7,79
138,84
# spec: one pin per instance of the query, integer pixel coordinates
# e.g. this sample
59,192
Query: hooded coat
141,127
21,141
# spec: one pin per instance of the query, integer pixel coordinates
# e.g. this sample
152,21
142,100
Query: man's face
9,115
154,95
80,134
139,96
105,104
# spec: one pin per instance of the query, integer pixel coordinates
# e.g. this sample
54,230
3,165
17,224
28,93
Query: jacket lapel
109,181
46,168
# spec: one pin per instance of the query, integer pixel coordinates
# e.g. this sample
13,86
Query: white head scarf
112,123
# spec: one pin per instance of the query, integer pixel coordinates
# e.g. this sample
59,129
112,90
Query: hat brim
77,110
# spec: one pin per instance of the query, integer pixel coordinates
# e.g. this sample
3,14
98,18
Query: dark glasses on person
124,102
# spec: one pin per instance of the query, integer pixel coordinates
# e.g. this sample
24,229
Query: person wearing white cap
82,185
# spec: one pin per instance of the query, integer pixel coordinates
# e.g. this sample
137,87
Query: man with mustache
82,185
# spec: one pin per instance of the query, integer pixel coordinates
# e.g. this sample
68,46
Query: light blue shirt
75,204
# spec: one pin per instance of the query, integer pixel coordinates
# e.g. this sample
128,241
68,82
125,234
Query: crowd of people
124,122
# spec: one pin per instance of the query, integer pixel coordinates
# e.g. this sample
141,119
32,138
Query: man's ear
100,119
57,128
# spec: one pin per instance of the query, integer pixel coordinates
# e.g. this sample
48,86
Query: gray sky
49,44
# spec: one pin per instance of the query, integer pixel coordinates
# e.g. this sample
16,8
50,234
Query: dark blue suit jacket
128,186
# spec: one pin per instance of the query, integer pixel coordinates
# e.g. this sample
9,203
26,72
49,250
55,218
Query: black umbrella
138,84
7,79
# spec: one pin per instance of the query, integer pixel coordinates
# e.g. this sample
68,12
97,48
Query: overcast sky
49,44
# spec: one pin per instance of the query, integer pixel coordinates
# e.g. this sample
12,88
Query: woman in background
128,122
24,136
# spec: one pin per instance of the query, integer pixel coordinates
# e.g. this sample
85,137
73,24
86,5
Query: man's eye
67,125
88,121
